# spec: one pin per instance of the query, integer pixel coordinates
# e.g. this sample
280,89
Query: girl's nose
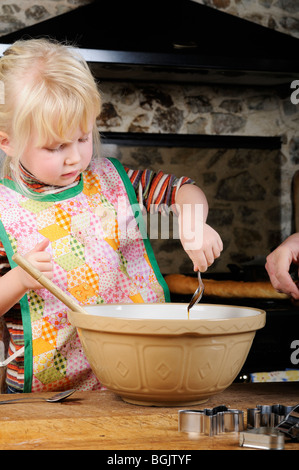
73,156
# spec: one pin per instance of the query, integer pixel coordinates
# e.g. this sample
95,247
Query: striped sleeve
4,264
14,325
156,189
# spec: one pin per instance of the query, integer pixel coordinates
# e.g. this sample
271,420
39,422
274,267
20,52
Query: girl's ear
5,143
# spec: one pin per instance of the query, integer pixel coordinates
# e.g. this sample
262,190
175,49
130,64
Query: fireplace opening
240,176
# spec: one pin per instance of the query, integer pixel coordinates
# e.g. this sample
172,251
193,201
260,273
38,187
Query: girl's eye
56,149
84,139
62,146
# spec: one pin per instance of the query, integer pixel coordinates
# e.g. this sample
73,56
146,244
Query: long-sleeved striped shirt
152,189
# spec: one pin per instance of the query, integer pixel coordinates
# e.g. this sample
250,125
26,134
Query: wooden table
101,420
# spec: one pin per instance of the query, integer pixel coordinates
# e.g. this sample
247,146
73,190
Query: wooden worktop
101,420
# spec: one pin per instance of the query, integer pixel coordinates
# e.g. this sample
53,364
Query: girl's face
59,163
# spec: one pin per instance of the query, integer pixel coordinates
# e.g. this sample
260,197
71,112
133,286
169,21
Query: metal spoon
198,293
55,398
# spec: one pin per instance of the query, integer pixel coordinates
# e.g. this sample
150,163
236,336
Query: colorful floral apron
100,255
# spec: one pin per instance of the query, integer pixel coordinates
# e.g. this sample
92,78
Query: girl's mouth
72,174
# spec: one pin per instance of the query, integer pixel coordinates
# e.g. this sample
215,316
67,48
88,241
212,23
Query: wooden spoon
47,283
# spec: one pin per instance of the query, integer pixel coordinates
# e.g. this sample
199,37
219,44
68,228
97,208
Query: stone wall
281,15
15,15
211,110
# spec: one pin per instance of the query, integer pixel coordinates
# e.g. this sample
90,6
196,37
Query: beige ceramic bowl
152,354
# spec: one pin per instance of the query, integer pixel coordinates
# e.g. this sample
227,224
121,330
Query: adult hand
278,266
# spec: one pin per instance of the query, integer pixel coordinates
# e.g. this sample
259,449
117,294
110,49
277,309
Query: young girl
71,215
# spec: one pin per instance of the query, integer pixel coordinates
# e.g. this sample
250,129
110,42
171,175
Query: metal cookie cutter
266,438
211,421
267,415
290,425
267,426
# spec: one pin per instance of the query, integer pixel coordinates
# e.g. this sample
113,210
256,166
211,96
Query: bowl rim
173,326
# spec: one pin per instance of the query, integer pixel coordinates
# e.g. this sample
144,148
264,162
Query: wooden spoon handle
47,283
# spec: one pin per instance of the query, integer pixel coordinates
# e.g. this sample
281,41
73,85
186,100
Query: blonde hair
49,91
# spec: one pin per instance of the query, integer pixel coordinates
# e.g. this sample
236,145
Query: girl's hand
206,252
200,241
41,260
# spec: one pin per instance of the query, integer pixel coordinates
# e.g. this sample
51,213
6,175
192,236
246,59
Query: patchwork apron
100,255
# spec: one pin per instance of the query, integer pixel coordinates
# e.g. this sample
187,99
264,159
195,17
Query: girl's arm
155,189
200,241
16,282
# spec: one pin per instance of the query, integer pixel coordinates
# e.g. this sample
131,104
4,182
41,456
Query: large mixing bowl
153,354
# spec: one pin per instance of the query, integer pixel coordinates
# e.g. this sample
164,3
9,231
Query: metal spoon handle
13,400
198,293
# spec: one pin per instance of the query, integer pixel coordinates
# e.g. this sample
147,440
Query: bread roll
180,284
